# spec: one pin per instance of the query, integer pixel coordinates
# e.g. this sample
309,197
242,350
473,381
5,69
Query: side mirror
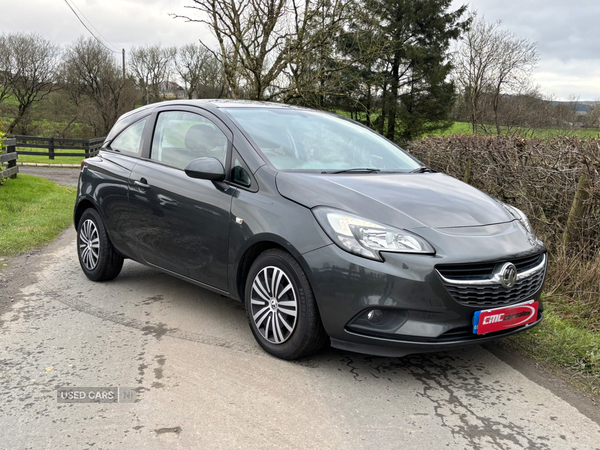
205,169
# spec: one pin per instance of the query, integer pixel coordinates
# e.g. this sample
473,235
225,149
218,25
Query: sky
567,36
566,31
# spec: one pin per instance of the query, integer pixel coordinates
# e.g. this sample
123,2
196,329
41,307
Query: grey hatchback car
327,231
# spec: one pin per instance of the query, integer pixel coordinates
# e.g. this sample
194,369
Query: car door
182,223
107,183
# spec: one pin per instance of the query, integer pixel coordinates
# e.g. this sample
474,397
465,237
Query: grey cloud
124,23
567,31
568,38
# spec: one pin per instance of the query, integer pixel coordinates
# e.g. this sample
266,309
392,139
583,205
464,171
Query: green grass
33,211
465,128
456,128
579,132
46,159
577,312
558,343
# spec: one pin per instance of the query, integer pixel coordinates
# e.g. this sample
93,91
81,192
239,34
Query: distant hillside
585,106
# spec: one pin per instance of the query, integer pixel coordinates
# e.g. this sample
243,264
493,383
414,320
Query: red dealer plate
500,319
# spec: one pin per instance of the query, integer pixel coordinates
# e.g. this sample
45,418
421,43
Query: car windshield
294,139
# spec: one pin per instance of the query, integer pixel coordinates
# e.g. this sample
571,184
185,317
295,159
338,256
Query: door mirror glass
207,168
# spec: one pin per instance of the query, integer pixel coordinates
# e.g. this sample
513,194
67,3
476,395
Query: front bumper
392,347
420,315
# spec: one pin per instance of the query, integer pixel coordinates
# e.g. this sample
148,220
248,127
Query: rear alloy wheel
281,308
89,244
97,257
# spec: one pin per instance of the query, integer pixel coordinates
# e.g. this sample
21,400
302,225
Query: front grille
496,294
524,264
485,270
467,271
472,284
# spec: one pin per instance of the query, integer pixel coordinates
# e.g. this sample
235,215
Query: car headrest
203,136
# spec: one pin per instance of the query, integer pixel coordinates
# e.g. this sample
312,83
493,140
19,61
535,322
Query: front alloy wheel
281,308
274,305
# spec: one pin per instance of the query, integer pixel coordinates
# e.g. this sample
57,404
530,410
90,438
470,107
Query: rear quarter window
129,141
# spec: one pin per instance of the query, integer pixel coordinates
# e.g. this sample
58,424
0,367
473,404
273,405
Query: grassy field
33,211
56,160
45,119
46,160
465,128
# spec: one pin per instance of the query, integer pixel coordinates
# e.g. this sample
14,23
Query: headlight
520,216
365,238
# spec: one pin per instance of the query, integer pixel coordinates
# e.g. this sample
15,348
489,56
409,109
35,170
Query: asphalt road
64,176
201,381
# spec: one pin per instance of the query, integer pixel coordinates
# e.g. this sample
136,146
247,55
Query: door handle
141,183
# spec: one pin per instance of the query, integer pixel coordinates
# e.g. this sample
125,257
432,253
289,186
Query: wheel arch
252,250
80,209
308,335
85,204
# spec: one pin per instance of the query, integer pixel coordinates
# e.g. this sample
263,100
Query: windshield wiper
357,170
423,169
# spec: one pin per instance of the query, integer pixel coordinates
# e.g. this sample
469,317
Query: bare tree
495,63
520,114
593,118
200,71
152,66
95,84
213,83
258,39
516,61
29,70
319,74
5,61
474,62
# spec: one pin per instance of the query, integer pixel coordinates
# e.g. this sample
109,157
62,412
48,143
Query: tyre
281,308
97,257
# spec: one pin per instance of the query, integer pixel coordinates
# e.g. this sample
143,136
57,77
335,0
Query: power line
89,22
87,28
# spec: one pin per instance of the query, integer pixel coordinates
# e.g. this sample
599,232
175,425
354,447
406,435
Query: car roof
222,103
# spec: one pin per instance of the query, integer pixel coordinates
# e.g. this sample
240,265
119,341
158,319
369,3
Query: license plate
499,319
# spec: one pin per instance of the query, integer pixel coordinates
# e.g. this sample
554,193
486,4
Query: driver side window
180,137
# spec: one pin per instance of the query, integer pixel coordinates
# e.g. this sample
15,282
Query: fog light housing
375,316
375,321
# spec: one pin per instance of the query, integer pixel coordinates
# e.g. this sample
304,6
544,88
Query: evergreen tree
411,39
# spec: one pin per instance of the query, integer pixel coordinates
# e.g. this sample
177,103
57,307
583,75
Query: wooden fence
10,157
85,147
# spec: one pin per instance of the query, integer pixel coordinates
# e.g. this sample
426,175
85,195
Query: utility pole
123,64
